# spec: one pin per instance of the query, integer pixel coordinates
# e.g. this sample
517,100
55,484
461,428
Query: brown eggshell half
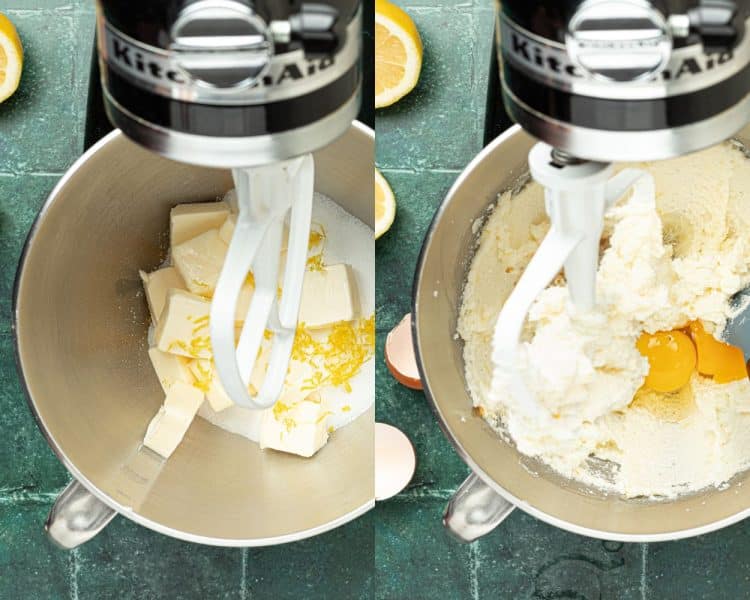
400,357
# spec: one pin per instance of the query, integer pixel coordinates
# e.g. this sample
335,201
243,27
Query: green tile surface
127,561
21,197
39,124
709,566
439,469
418,193
438,125
26,462
422,145
29,566
338,564
525,558
414,557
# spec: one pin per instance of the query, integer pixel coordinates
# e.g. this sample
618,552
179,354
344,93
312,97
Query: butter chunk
226,231
170,424
328,296
207,379
157,284
199,261
187,221
298,429
183,328
300,378
170,368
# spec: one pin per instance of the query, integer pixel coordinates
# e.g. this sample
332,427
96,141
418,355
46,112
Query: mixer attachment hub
221,43
626,80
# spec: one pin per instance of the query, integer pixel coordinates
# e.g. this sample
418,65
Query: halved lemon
385,205
11,58
398,54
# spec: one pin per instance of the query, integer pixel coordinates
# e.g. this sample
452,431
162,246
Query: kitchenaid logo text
553,63
554,60
152,66
161,68
288,76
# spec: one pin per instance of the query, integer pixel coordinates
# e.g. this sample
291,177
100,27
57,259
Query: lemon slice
385,205
398,54
11,58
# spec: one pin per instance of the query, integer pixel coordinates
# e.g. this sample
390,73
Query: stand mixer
601,81
254,86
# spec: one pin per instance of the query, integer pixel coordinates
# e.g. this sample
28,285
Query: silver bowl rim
453,438
74,471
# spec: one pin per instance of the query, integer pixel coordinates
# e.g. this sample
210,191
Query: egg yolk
722,361
671,357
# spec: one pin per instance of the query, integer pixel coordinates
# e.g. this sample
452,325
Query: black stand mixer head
230,82
616,80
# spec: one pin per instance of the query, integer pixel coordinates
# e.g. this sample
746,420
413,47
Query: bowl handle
77,516
475,510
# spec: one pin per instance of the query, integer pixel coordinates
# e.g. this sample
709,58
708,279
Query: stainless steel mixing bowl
503,478
81,331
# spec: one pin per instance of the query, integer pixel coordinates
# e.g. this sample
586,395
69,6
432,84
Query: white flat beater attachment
265,195
576,194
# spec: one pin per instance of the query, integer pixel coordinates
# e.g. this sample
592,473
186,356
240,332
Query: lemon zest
317,236
338,358
315,262
195,348
200,323
203,382
278,409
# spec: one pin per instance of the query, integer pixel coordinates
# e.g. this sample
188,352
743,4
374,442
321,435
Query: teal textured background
41,134
423,143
